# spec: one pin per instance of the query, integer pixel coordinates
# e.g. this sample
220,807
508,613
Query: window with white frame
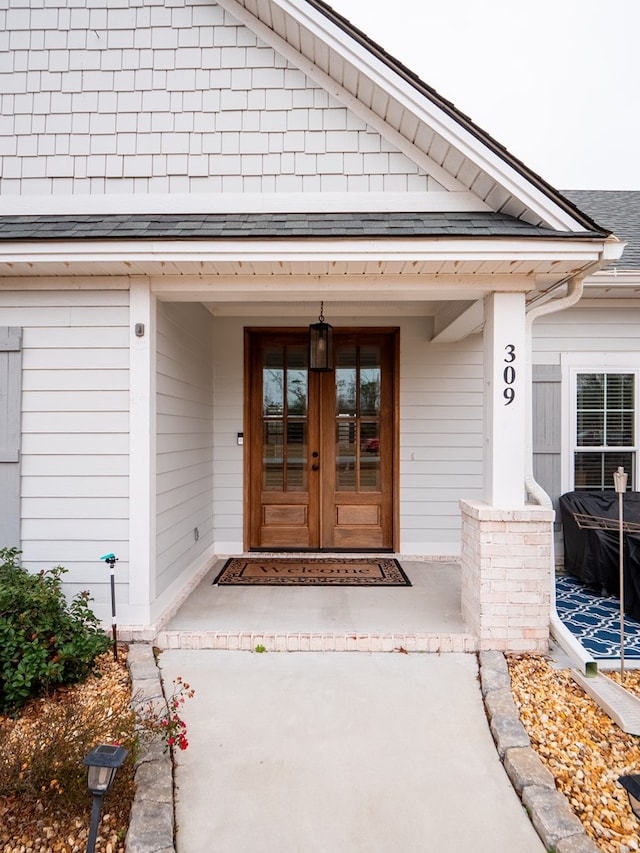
605,431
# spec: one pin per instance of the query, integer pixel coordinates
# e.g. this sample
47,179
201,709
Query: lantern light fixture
321,345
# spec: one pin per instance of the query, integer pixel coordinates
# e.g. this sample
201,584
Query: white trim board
377,202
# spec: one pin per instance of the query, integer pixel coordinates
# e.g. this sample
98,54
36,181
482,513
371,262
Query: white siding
184,438
172,98
440,437
606,329
75,442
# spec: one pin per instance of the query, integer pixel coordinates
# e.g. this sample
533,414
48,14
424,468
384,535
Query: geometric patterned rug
595,620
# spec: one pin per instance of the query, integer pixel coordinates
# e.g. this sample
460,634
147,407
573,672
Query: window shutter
10,410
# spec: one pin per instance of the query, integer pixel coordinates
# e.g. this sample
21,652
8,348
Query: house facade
185,189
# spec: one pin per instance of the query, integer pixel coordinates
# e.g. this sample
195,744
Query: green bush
45,641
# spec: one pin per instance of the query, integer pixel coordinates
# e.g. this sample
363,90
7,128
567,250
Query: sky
555,81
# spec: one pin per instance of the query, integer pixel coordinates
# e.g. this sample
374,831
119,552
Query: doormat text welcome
312,571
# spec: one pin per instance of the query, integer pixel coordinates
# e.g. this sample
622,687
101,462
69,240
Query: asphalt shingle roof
618,211
271,225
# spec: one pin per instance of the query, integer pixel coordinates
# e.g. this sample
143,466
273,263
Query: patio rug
312,571
595,620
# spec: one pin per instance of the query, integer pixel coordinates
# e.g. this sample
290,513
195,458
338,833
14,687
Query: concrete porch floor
423,617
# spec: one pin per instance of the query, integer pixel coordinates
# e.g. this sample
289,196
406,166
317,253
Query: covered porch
457,477
425,616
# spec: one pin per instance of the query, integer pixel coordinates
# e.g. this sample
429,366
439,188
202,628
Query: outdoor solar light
631,784
102,765
321,344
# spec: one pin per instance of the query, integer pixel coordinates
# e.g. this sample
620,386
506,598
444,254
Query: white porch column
142,453
506,544
505,354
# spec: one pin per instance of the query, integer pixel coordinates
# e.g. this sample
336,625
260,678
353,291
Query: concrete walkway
340,753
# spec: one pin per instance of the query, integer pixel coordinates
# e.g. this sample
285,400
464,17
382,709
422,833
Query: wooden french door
321,466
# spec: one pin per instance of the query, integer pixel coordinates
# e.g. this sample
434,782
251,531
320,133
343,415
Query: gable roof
618,211
413,116
429,92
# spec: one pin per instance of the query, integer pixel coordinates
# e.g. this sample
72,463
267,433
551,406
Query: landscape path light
631,784
102,765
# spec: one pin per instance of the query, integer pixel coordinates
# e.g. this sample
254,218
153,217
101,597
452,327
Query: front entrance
321,456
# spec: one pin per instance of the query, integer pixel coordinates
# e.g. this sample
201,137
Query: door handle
315,467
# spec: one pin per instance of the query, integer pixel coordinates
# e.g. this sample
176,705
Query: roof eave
587,248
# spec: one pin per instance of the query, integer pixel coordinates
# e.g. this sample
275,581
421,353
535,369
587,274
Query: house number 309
509,374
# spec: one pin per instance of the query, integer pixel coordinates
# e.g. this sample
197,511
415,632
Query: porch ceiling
438,262
194,275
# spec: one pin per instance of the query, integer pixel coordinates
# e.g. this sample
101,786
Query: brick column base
506,575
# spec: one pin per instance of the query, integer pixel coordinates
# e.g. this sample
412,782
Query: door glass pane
297,380
369,456
296,455
273,469
297,392
273,381
346,381
370,391
346,456
370,380
284,406
358,410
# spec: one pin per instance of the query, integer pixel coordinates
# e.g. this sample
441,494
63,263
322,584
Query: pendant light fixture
321,344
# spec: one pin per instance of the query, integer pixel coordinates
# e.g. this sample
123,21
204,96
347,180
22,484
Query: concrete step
312,642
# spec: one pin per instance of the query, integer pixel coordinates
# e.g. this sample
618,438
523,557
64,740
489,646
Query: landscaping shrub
42,752
45,641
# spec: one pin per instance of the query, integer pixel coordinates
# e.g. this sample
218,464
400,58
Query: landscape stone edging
548,809
151,822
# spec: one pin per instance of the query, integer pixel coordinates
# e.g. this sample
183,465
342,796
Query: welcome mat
595,620
312,571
